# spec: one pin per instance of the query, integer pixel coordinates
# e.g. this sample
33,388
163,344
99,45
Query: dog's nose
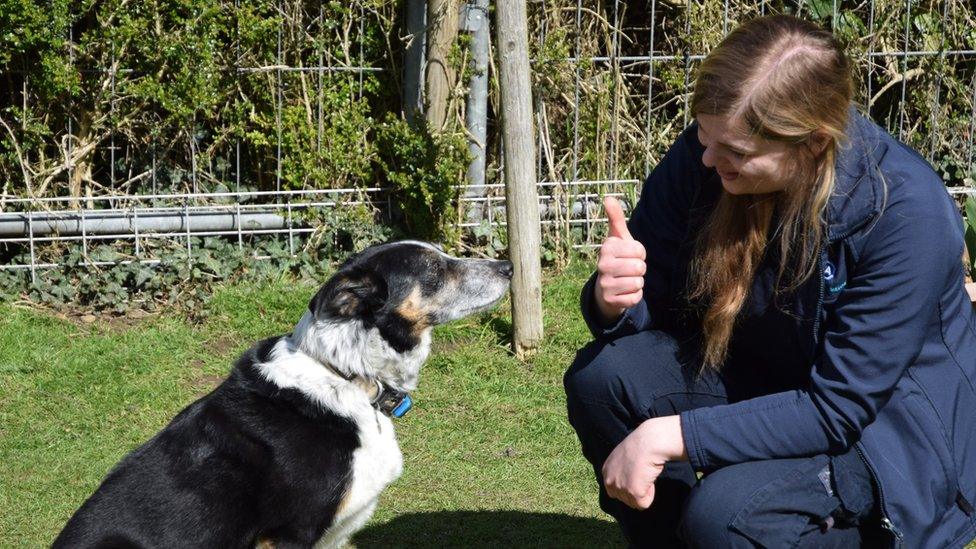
506,269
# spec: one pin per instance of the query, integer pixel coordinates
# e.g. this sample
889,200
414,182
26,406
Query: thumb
647,499
615,216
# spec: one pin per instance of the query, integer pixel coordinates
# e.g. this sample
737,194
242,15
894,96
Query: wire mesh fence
276,103
619,92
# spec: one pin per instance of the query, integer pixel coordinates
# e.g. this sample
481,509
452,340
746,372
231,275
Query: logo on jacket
828,273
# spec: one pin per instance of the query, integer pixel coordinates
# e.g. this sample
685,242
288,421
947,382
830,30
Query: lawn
489,457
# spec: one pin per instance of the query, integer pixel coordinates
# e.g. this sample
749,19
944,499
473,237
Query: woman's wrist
664,438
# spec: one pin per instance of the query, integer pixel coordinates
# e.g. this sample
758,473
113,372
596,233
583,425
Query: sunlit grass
489,457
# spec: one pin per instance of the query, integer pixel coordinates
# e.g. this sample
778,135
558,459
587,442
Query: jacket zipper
818,311
885,521
823,255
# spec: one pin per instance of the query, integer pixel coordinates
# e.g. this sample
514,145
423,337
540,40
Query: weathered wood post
518,141
442,28
414,56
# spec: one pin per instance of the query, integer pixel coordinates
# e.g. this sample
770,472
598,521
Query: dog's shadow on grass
489,529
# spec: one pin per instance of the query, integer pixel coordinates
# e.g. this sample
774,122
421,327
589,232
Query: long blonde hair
782,79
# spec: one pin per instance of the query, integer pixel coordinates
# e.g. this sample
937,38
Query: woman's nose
708,158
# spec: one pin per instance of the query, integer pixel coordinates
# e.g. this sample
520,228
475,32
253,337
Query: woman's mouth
728,176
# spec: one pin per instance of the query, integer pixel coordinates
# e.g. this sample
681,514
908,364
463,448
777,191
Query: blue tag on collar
403,407
393,403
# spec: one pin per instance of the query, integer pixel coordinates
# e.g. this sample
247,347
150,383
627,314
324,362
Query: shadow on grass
488,529
502,328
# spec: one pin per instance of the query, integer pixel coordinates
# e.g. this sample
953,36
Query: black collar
391,402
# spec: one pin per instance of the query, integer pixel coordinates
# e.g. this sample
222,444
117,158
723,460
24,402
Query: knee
624,371
709,510
589,377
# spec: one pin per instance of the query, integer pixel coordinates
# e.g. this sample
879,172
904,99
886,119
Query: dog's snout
506,269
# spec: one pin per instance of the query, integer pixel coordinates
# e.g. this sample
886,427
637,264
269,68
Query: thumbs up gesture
620,266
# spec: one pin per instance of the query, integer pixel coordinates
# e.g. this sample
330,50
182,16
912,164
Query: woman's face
747,164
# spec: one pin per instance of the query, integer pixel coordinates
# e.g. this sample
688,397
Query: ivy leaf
971,212
971,246
143,275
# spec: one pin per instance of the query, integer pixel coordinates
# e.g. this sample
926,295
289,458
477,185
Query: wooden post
414,54
442,28
518,141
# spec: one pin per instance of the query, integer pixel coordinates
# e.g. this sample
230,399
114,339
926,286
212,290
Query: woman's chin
734,186
739,186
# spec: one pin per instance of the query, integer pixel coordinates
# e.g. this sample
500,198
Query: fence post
442,27
474,19
413,58
518,140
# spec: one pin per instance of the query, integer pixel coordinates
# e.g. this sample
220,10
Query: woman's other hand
633,466
620,267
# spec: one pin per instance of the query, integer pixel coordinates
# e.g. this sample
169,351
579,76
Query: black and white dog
294,448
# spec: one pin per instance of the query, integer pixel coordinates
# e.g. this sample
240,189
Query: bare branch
22,160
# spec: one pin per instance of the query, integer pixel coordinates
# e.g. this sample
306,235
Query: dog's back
248,458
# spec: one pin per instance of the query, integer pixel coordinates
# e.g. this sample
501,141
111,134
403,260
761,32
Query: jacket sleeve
660,222
876,330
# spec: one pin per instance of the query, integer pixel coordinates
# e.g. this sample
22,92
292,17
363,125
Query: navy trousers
817,501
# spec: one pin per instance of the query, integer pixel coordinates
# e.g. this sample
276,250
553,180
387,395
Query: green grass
489,458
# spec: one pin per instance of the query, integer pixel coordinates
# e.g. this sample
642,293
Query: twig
469,249
24,168
908,75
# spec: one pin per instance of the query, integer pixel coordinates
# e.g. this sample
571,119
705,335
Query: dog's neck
354,351
372,387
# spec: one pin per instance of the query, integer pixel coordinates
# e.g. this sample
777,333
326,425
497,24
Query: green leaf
971,246
143,275
971,211
821,9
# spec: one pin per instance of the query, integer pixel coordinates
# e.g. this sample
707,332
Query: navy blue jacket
886,327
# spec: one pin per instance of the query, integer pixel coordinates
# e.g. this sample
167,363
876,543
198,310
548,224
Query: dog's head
374,316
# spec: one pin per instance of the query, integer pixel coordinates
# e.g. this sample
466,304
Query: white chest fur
376,463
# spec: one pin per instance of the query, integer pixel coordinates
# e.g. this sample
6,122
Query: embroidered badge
828,273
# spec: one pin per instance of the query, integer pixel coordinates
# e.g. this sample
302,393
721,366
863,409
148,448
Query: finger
615,246
615,216
622,266
621,495
618,286
644,501
624,301
629,499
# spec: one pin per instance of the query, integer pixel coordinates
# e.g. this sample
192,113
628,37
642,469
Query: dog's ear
349,294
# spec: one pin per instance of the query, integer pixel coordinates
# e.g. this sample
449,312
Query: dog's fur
289,450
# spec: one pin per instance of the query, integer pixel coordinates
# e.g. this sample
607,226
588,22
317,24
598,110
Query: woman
784,317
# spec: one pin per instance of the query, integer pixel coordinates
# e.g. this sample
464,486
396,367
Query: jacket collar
858,189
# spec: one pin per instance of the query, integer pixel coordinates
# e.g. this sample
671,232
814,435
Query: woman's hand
620,267
633,466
